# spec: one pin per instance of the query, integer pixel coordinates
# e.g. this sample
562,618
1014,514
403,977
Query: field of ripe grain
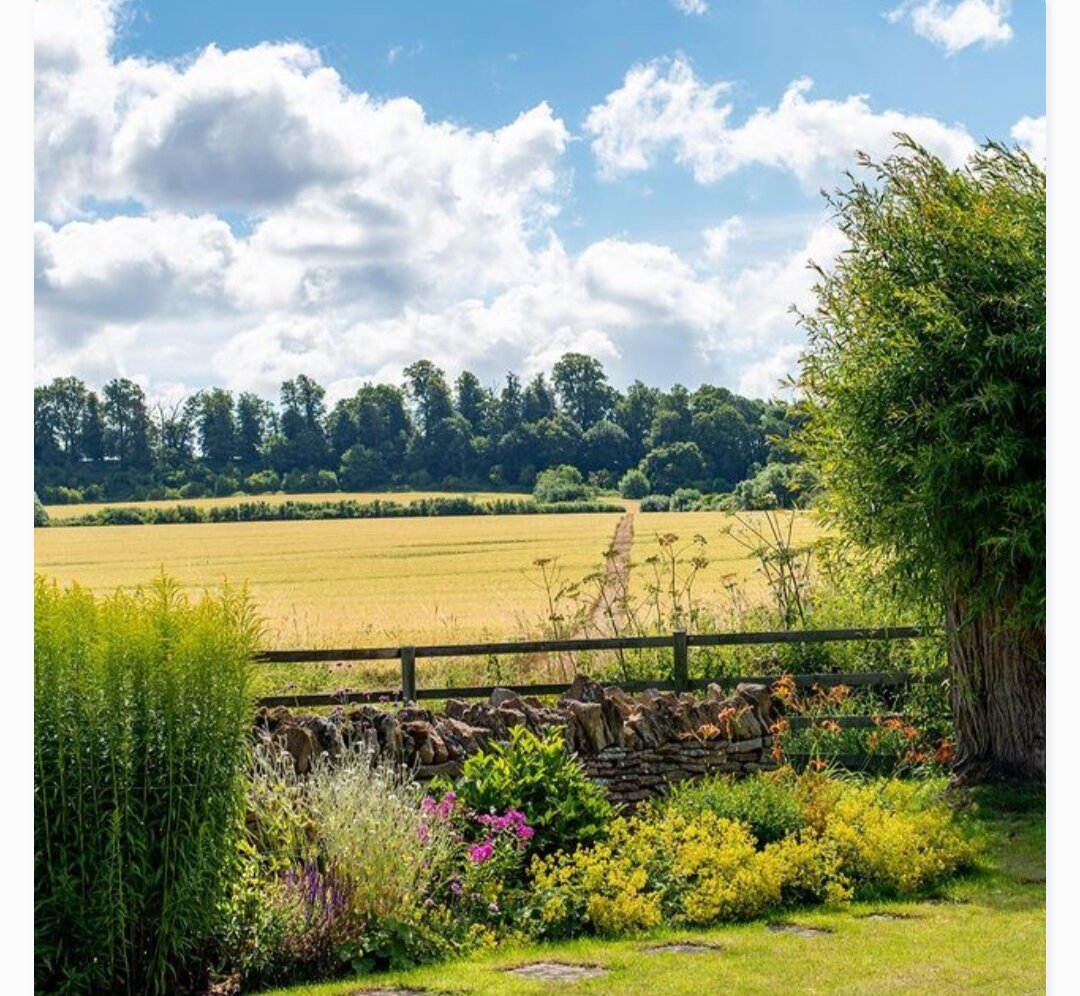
356,582
729,561
277,498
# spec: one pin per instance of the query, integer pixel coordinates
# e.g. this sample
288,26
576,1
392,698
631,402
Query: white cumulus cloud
955,26
1031,134
663,107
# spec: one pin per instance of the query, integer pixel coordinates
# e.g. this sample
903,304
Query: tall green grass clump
141,710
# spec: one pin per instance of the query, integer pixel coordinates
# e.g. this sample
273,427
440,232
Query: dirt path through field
606,615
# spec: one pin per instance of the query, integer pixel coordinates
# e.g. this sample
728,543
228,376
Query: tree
582,389
303,414
69,406
92,432
217,427
254,423
127,423
926,418
473,402
673,466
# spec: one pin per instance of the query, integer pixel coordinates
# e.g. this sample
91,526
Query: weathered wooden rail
680,642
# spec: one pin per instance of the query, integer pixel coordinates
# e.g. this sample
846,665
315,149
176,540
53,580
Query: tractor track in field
606,615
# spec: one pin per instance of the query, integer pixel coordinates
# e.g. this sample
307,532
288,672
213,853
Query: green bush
537,775
141,711
261,482
769,806
633,484
655,503
332,872
685,500
563,483
193,489
41,517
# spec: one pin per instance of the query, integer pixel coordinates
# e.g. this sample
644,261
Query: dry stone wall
635,745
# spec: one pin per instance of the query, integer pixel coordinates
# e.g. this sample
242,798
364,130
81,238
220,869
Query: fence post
682,660
408,674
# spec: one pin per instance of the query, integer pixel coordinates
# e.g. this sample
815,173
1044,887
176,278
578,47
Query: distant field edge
180,513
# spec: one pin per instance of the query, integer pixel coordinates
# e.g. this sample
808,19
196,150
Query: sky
232,194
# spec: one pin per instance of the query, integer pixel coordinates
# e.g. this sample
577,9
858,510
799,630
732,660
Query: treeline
426,433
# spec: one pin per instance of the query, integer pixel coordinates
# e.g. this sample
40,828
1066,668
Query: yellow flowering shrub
665,867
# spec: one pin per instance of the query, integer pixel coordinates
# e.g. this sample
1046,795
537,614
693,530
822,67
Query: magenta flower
525,832
479,853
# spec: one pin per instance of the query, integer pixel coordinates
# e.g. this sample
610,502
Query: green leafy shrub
261,482
537,775
332,873
685,500
141,712
563,483
634,484
41,517
769,805
655,503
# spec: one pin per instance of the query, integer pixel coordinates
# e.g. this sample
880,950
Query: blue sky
239,214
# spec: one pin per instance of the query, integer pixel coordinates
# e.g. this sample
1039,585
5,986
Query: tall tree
473,402
582,389
173,431
46,446
217,427
303,430
426,387
127,423
92,431
69,405
925,381
254,423
538,400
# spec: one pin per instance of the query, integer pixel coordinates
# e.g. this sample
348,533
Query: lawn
981,934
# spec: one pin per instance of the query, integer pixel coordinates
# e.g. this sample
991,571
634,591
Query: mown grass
980,934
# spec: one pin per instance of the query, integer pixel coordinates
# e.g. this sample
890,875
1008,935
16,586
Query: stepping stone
392,992
1033,880
882,915
688,947
783,927
554,971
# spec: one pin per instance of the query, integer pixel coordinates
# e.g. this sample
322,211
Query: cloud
955,26
663,107
239,217
1031,134
691,7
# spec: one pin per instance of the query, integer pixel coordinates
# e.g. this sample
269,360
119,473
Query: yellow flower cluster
700,869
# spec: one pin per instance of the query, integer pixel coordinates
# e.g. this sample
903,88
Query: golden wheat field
729,541
277,498
358,582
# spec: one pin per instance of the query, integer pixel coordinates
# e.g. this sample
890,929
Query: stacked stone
636,746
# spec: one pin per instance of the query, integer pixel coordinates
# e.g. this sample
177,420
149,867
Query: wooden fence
680,642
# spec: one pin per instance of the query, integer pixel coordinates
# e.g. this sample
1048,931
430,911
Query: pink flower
479,853
525,832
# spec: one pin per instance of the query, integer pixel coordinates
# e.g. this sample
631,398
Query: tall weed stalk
141,707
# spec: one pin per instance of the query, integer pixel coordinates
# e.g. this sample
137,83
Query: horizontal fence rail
680,643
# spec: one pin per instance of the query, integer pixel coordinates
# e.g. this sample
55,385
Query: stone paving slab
555,971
